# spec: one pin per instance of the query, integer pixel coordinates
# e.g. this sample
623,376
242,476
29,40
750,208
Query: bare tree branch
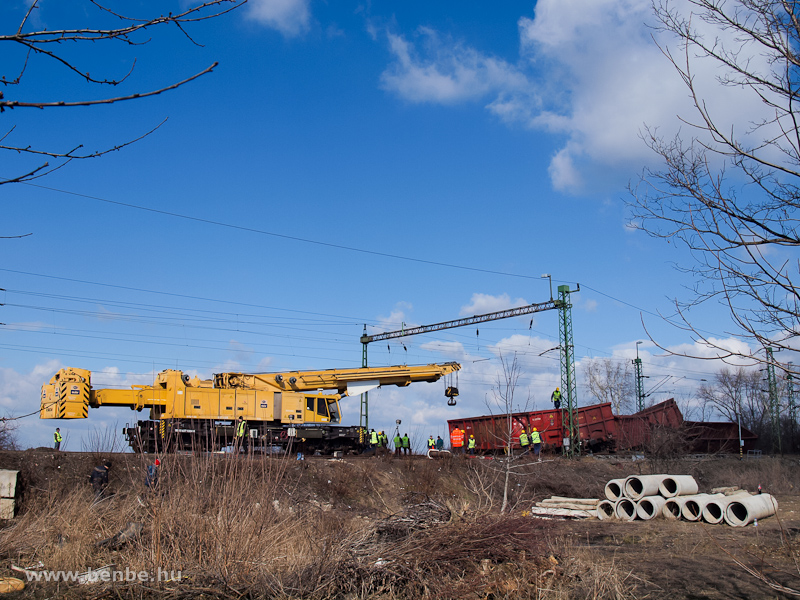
732,197
4,104
104,25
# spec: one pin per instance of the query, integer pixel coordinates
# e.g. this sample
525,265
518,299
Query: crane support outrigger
280,408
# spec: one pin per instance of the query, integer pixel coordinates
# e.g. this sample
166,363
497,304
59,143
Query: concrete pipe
673,507
745,509
639,486
650,507
606,509
615,490
693,508
678,485
714,510
625,510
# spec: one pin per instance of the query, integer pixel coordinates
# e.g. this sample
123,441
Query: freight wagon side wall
596,424
635,431
491,431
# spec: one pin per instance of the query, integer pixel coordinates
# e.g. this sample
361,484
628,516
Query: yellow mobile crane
280,408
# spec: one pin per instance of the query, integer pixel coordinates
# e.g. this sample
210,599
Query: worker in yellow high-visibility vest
536,440
524,442
556,398
241,434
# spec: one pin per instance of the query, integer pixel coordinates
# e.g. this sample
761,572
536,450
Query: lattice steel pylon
363,420
640,396
569,409
774,403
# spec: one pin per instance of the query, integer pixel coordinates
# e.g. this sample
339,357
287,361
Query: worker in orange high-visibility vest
457,439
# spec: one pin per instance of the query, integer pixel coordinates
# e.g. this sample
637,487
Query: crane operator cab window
318,409
333,409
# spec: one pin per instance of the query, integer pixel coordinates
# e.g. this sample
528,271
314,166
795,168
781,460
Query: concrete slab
8,483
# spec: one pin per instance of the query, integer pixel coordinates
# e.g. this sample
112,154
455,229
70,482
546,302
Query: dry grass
267,528
370,529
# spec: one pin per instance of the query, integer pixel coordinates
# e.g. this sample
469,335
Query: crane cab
302,409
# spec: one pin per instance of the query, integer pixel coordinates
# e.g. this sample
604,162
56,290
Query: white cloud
445,72
264,365
563,173
19,392
396,319
290,17
589,72
481,304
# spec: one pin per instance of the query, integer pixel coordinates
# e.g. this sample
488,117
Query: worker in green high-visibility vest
57,439
241,434
471,444
398,444
556,398
536,440
373,438
524,442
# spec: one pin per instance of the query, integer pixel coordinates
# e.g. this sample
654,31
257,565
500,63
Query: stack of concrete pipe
646,497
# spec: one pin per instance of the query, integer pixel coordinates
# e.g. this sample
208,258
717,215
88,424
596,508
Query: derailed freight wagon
596,426
636,431
600,430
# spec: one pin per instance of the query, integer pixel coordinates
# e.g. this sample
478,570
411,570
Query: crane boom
502,314
335,379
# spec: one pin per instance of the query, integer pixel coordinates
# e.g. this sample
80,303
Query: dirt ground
656,559
679,559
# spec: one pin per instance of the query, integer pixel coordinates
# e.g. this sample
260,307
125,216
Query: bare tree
611,381
738,393
692,408
105,29
731,195
503,399
8,434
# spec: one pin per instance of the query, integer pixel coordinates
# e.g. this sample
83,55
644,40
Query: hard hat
535,429
558,389
158,463
470,435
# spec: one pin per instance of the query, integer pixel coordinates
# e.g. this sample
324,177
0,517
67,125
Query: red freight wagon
596,425
711,437
634,431
600,429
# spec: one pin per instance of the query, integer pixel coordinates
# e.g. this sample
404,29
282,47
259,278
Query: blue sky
323,177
